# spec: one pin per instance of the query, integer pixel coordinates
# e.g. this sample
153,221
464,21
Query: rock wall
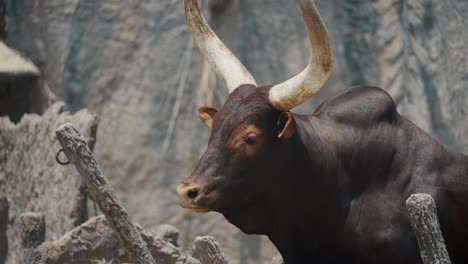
135,65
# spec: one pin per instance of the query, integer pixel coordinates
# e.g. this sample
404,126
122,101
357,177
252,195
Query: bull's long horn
221,59
301,87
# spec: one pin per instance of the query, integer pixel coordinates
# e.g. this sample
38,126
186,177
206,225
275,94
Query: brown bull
328,187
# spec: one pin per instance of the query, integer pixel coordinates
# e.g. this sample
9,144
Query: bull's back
419,164
359,106
387,158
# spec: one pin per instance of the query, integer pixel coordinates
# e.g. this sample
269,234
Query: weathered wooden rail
208,251
77,151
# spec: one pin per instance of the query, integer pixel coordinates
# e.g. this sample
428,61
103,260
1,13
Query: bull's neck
316,196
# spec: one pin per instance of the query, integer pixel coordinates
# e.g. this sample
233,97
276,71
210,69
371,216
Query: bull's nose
186,190
188,193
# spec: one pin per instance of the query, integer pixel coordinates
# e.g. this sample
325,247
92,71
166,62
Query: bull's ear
286,125
206,115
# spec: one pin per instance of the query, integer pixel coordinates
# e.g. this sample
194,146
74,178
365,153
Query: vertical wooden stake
78,152
423,217
208,251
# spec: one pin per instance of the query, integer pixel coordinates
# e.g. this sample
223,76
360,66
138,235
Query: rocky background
134,64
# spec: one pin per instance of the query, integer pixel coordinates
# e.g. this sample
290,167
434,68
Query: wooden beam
208,251
422,213
78,152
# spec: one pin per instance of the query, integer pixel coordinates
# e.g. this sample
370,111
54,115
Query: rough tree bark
422,213
32,229
168,233
33,233
208,251
79,213
78,152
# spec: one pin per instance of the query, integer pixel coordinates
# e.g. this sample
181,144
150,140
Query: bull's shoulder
359,106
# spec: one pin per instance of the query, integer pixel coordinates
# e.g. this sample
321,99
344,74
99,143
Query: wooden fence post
208,251
78,152
422,213
33,231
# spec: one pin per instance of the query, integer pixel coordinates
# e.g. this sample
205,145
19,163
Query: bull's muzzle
189,197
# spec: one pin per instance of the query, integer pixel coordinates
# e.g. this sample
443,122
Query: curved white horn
221,59
301,87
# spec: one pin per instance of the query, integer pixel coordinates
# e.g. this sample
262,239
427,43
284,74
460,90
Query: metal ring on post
58,159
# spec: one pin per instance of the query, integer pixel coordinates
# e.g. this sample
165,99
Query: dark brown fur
334,191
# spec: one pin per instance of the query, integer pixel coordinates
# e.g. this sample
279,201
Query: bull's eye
250,140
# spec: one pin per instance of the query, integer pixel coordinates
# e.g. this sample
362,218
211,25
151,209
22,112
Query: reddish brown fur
332,189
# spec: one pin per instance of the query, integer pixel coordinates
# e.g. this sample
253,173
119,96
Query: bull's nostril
192,194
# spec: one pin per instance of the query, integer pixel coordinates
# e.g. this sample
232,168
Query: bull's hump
361,106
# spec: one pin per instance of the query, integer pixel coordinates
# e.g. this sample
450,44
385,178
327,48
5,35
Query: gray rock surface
30,177
135,65
168,233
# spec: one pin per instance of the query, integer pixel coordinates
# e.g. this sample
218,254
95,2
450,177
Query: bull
329,187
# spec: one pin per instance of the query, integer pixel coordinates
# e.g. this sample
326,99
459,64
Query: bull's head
252,133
